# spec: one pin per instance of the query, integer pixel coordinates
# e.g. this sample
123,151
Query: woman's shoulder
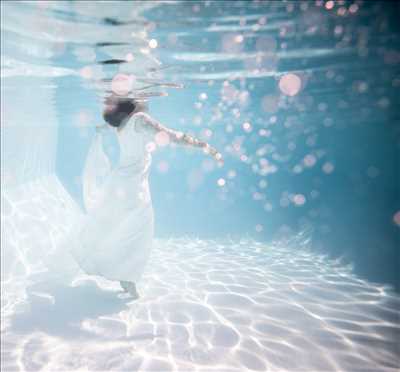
139,121
133,121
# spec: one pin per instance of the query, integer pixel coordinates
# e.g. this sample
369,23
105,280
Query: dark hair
117,110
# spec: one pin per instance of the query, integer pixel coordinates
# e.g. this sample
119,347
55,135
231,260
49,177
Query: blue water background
348,213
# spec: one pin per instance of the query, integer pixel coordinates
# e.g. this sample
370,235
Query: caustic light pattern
209,305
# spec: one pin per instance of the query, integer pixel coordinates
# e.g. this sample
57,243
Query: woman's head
118,110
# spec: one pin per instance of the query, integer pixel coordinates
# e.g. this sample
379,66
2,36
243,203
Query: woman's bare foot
129,287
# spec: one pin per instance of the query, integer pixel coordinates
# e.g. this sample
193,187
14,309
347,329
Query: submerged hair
118,110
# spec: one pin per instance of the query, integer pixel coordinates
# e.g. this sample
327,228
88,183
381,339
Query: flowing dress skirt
114,239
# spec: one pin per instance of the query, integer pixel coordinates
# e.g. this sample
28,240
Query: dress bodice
132,143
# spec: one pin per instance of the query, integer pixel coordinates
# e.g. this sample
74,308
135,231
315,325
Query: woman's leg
129,287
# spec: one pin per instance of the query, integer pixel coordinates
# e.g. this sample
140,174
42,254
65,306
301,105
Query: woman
115,238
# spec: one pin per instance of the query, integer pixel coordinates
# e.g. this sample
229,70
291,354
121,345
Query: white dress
115,237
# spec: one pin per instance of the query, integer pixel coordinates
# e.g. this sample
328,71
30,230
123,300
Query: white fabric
115,237
97,169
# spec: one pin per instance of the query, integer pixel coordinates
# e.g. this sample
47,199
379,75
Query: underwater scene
200,185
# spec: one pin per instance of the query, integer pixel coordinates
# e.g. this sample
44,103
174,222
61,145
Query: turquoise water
343,122
285,258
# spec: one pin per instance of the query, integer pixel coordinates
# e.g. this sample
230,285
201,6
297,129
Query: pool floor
207,305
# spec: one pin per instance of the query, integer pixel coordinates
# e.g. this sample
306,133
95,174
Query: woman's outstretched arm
147,123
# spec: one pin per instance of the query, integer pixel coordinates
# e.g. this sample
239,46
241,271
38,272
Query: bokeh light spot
396,218
309,160
299,199
230,44
239,38
329,4
86,72
129,57
121,84
353,8
153,43
151,146
221,182
268,207
247,127
290,84
263,184
328,168
162,138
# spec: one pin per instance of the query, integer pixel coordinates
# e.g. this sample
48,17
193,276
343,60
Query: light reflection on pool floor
207,306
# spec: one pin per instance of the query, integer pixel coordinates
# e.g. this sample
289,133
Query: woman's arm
147,123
